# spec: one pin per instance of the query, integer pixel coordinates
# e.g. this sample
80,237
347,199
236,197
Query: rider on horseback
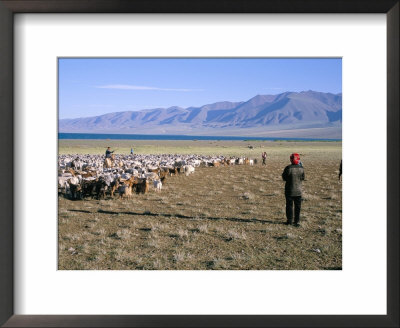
109,152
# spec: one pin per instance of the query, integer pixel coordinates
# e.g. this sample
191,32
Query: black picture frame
10,7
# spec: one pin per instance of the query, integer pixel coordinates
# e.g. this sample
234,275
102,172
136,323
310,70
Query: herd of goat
81,176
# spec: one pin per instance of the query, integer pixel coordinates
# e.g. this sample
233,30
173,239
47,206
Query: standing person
340,170
264,158
131,151
293,175
109,152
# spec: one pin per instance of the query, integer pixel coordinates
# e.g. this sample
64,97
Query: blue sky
91,87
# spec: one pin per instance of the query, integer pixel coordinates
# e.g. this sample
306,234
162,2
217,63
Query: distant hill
293,114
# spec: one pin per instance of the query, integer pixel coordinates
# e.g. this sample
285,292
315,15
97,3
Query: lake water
100,136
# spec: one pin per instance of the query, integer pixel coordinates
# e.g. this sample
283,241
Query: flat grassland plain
226,218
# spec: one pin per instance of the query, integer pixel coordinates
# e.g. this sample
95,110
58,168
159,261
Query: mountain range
289,114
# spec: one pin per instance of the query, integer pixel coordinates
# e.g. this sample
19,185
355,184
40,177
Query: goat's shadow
181,216
81,211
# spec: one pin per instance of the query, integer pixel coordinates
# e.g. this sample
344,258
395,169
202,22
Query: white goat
157,185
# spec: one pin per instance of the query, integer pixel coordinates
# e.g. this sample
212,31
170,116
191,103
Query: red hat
295,158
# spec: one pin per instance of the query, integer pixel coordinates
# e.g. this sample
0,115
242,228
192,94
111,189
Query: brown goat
88,174
72,171
114,187
163,176
142,186
125,189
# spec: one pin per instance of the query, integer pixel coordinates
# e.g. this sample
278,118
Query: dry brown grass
217,218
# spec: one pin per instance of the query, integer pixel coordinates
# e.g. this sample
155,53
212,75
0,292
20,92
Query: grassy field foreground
217,218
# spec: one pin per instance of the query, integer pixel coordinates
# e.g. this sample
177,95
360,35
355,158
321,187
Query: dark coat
108,153
293,175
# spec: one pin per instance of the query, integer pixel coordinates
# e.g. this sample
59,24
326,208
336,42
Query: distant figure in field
264,158
131,151
294,176
109,152
340,170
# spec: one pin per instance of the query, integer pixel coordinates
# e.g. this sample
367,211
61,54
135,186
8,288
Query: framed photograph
135,197
181,137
